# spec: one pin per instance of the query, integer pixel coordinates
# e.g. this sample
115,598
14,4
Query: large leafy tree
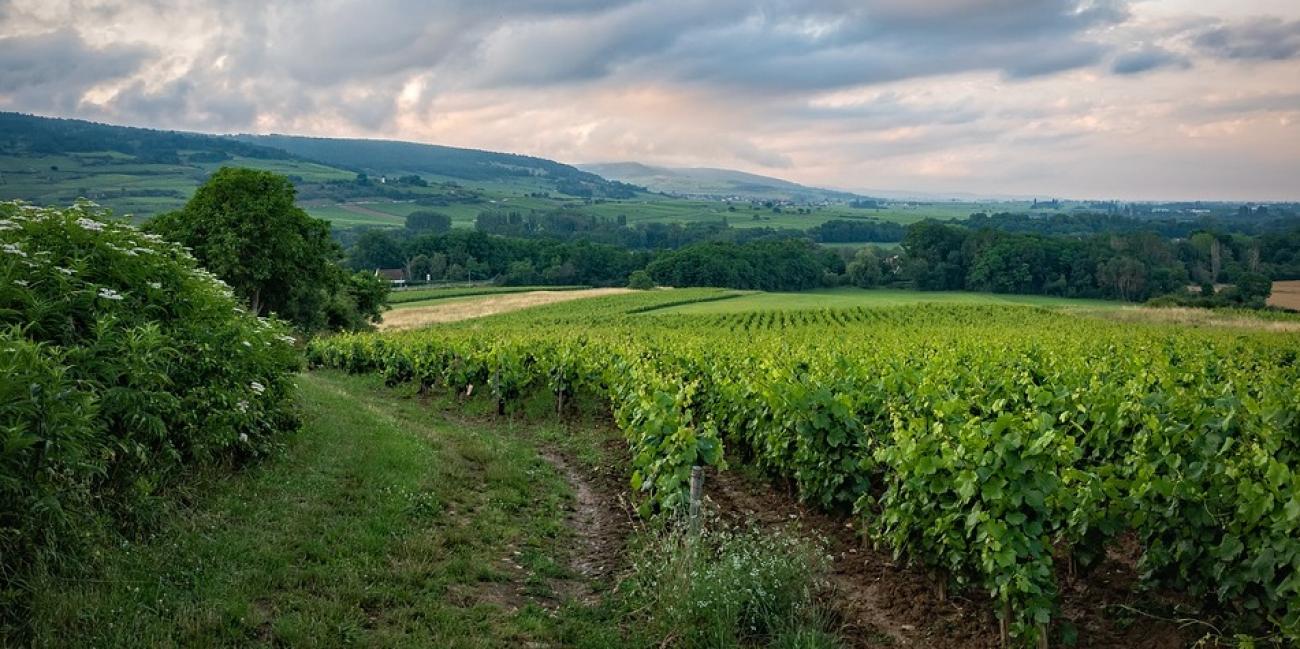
243,226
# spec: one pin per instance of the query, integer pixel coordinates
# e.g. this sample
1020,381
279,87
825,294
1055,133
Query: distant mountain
388,157
704,182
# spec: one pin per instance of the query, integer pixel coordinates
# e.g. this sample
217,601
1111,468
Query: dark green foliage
44,135
783,265
376,249
122,365
243,226
1254,287
866,270
640,280
570,225
424,221
864,230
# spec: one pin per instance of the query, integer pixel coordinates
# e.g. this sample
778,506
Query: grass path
380,526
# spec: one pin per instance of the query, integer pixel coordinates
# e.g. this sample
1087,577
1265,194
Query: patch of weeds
732,588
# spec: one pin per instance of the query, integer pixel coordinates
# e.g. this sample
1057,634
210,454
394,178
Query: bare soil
884,603
1286,295
420,316
602,520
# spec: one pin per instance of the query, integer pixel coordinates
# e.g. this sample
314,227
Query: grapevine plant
998,447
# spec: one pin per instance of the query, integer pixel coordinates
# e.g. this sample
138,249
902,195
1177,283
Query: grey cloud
52,71
888,111
1285,102
184,103
305,55
1146,59
1256,39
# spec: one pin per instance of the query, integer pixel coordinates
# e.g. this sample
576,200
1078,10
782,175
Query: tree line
1083,256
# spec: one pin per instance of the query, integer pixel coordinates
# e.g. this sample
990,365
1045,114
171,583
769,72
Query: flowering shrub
122,364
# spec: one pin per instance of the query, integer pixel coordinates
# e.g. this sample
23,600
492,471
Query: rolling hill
705,182
141,172
388,157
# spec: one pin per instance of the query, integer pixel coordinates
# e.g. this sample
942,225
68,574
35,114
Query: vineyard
1001,448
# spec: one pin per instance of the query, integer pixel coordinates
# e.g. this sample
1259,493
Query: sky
1104,99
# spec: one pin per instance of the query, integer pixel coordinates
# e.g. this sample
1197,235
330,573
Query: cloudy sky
1128,99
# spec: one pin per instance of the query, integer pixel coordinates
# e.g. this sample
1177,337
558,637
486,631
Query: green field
142,190
844,298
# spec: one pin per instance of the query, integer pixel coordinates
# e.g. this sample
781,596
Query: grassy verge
395,520
377,528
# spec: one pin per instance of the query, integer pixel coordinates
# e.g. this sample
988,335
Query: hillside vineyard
1000,447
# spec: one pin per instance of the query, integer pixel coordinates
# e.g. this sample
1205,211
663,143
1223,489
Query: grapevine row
986,443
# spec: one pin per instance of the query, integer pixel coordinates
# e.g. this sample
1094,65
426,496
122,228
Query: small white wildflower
90,224
109,294
246,343
242,406
257,387
155,284
13,249
288,339
6,224
243,437
68,271
21,282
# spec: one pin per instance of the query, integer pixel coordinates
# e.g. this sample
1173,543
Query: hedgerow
122,366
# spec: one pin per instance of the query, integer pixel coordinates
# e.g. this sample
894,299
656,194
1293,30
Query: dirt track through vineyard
419,316
879,603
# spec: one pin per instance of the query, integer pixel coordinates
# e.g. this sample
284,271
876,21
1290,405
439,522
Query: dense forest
1085,256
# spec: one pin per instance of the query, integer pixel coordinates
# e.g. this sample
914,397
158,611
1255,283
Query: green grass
379,527
393,520
853,297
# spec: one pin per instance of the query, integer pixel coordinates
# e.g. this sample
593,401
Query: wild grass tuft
732,588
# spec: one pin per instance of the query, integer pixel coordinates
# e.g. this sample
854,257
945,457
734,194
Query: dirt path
420,316
602,521
882,603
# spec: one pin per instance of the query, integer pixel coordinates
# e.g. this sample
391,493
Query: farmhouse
395,276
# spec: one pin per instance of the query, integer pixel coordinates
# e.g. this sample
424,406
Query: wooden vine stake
1004,624
697,493
501,395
